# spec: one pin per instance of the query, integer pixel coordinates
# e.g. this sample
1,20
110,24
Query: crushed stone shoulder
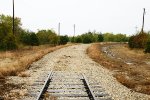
74,58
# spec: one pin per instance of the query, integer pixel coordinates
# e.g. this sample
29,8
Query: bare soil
130,67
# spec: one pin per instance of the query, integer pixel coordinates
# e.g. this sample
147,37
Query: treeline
91,37
22,37
10,41
140,40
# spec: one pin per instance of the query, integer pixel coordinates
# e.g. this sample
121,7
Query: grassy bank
135,76
14,62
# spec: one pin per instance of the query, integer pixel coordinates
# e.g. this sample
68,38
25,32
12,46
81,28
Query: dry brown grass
13,62
23,74
135,76
49,97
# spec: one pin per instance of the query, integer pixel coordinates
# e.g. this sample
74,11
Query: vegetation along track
61,85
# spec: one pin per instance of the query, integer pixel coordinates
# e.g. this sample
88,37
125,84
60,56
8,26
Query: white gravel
74,58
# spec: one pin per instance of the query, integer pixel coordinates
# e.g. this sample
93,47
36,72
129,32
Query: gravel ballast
75,59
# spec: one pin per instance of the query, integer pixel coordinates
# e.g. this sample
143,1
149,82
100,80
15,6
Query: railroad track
66,86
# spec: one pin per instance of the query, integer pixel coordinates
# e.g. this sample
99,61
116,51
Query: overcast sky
117,16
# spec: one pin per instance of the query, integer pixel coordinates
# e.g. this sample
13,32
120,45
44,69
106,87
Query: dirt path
73,58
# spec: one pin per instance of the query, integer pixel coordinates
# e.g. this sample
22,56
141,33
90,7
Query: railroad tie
67,86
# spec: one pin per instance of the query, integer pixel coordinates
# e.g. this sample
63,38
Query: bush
29,38
100,38
78,39
131,42
72,39
147,49
138,41
47,37
87,38
25,38
9,43
63,39
34,41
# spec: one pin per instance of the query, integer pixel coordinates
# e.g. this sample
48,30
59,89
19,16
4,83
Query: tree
6,25
47,37
78,39
108,37
9,42
120,38
6,37
24,37
138,41
147,49
88,37
100,38
34,41
64,39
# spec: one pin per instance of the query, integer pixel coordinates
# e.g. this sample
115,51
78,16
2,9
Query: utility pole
74,26
143,20
59,29
13,17
58,34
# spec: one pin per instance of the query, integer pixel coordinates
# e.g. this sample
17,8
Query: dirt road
73,58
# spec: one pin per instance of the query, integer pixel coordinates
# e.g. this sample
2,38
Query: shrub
25,38
29,38
138,41
47,37
147,49
9,43
87,38
78,39
100,38
34,41
63,39
131,42
72,39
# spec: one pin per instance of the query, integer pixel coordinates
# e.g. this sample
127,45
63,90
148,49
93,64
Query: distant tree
120,38
108,37
7,39
34,41
64,39
91,37
100,38
29,38
138,41
24,37
147,48
47,37
72,39
6,25
9,42
78,39
131,42
87,37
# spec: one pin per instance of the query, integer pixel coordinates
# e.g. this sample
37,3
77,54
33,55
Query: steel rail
44,86
89,90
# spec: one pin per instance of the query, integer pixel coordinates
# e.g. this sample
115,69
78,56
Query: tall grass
21,59
136,77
